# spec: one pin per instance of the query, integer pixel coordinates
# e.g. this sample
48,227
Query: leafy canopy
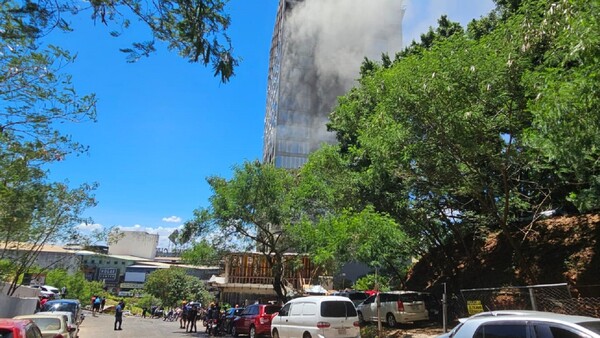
196,30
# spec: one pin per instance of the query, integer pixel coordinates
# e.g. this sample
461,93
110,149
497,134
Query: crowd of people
98,304
189,314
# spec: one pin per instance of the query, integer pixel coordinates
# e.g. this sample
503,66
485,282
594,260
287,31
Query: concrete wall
135,243
24,304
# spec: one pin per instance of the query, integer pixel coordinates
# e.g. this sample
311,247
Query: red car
255,320
19,328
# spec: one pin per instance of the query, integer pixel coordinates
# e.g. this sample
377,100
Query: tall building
316,52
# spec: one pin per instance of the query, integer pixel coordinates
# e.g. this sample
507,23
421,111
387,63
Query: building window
93,261
122,263
116,262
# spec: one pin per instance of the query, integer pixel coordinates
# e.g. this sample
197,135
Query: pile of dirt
557,250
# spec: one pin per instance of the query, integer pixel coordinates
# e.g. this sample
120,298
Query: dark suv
356,297
255,320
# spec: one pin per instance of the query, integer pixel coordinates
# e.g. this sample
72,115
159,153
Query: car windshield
271,309
358,296
592,326
51,306
337,309
47,324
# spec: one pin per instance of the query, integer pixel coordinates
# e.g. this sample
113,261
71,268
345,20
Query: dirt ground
428,331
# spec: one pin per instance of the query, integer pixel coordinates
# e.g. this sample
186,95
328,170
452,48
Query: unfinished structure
316,52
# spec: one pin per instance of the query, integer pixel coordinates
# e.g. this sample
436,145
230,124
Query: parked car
52,289
71,322
19,328
316,316
255,320
71,305
356,297
526,324
44,292
51,326
229,317
396,307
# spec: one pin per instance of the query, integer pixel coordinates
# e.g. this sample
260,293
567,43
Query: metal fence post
445,309
532,299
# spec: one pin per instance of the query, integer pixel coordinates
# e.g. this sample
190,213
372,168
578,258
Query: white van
318,317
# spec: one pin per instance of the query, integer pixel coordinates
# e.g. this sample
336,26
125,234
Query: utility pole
378,302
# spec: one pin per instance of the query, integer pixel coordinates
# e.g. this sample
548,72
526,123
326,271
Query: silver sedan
526,324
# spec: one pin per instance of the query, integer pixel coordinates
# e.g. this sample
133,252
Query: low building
109,269
49,256
247,277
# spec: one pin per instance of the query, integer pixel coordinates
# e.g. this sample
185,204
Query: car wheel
361,319
234,331
306,335
275,334
252,332
391,320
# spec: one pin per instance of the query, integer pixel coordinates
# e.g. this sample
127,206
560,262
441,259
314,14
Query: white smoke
341,33
325,42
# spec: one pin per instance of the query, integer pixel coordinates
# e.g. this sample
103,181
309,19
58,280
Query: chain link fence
559,298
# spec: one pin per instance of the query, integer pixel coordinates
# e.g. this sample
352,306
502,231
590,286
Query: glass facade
306,76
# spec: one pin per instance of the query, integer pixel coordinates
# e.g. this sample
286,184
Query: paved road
101,326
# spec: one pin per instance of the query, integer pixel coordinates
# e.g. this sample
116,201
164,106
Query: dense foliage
469,132
172,286
76,284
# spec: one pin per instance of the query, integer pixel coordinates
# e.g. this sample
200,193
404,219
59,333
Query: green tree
36,98
147,301
174,285
196,30
478,134
372,282
201,253
565,121
253,209
77,286
50,216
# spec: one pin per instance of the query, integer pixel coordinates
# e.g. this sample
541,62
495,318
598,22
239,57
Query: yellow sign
474,306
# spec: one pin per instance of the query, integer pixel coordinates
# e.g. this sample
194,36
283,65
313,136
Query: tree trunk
278,286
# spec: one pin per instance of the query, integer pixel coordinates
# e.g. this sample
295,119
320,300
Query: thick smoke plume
342,32
326,42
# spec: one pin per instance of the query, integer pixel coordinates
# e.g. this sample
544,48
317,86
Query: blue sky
164,125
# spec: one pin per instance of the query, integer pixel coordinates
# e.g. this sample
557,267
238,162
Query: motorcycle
211,326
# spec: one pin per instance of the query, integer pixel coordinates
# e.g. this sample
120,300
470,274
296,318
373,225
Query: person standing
119,315
96,306
93,299
192,318
183,318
